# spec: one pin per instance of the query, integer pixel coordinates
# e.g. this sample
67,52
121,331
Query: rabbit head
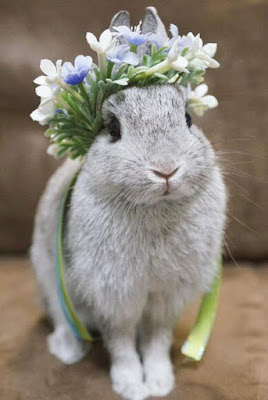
148,151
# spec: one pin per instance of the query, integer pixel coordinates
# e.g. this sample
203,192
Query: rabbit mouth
167,191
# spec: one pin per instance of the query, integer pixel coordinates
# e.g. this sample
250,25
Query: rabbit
143,232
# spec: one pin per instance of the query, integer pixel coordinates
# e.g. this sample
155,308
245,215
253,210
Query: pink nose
164,175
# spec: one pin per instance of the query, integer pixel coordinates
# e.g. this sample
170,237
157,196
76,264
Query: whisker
230,254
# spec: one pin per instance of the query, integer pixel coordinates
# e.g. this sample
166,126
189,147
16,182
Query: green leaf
49,132
185,51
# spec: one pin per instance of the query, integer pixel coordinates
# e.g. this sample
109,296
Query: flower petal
201,90
47,67
180,64
36,115
58,65
210,101
82,62
210,49
67,68
41,80
44,113
43,91
174,30
93,42
190,35
53,149
199,110
173,52
73,79
106,37
123,29
130,58
214,64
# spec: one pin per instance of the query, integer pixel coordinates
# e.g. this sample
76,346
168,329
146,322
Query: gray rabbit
143,232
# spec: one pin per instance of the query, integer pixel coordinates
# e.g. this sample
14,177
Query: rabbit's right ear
152,23
121,18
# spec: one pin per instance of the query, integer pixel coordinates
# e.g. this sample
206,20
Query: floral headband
72,95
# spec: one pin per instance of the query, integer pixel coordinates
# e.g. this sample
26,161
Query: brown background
31,30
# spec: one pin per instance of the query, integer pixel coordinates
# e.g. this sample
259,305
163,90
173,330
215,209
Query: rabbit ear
121,18
152,23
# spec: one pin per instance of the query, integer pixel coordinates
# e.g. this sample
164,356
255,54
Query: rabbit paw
159,377
127,382
65,347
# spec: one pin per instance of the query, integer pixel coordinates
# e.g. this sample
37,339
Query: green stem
85,94
163,66
133,48
63,104
66,87
102,65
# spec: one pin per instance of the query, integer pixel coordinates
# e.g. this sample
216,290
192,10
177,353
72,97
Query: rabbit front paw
128,381
65,347
159,377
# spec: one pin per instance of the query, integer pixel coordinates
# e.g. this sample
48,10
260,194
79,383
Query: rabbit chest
121,250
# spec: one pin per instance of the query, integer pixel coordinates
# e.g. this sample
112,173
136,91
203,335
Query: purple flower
184,41
75,74
158,40
121,54
133,36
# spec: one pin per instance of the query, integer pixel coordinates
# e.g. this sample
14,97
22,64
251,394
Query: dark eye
189,120
114,128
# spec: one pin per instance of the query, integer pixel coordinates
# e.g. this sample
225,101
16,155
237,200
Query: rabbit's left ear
152,23
121,18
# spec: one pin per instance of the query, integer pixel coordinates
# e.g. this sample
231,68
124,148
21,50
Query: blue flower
121,54
184,41
133,36
75,74
158,40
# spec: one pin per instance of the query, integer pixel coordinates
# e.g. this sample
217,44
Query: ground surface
235,365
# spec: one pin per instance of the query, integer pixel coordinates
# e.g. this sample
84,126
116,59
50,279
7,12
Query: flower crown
72,95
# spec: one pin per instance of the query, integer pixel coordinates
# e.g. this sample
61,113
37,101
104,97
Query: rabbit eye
114,128
189,120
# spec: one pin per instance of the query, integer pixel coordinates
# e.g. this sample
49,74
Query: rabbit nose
165,175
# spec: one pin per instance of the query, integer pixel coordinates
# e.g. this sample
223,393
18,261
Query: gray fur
152,23
135,255
121,18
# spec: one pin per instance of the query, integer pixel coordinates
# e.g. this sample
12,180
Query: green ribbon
196,343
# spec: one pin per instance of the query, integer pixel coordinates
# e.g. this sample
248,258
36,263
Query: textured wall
31,30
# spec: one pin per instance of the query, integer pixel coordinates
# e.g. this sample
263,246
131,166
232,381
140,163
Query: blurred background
31,30
55,29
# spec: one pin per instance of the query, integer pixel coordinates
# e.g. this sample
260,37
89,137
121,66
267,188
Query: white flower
198,102
210,49
52,72
176,61
48,90
44,112
48,93
53,149
202,53
105,42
